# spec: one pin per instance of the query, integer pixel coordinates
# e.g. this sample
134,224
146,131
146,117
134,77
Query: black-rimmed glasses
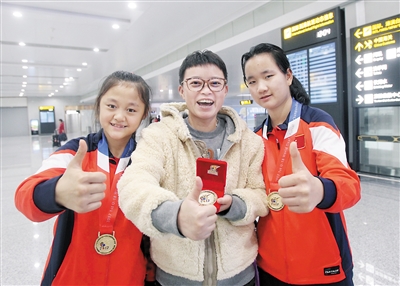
197,84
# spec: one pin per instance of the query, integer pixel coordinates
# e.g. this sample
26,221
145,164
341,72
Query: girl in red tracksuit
303,240
94,244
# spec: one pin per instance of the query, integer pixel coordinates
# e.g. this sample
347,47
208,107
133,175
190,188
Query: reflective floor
373,224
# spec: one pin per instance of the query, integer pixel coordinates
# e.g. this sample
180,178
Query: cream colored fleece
163,168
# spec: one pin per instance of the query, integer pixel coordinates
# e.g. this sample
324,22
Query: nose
262,86
119,115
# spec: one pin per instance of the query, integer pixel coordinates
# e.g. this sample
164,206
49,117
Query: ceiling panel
60,36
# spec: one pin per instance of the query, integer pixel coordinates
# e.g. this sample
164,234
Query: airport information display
375,63
315,48
318,63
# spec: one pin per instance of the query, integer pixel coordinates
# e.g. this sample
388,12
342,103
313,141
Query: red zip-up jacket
310,248
72,259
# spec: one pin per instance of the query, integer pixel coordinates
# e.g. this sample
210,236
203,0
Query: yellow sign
246,102
47,108
381,34
377,28
309,25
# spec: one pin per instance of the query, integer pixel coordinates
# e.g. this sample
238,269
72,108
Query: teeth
206,101
118,126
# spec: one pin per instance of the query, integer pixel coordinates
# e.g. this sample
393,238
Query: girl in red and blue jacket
303,240
94,244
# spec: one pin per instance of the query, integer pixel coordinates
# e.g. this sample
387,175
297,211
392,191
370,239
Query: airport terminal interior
55,54
373,223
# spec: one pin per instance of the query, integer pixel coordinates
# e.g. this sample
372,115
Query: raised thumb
195,193
79,155
297,162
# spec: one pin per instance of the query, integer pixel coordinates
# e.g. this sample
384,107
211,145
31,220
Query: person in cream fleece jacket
192,244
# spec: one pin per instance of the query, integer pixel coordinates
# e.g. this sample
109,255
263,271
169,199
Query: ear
289,76
226,90
180,90
145,115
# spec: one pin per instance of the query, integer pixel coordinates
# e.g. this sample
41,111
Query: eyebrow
213,77
263,73
112,100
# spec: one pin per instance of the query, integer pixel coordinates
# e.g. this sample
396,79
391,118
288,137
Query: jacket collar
177,111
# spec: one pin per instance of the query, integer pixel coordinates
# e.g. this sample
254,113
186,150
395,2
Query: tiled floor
373,224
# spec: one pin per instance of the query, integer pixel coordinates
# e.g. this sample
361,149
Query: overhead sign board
312,30
375,63
315,48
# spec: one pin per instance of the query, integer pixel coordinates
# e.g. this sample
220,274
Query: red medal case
213,174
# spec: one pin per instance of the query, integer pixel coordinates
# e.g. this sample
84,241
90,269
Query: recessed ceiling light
24,61
22,44
17,14
61,86
84,64
22,89
24,82
50,95
21,94
56,90
24,67
96,49
24,76
65,83
24,85
115,26
132,5
79,70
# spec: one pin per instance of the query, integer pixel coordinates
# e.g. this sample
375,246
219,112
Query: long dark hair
296,88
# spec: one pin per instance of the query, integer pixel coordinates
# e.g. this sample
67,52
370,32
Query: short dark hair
201,58
121,77
296,88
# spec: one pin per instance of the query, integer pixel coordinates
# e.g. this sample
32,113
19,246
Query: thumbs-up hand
78,190
194,220
300,191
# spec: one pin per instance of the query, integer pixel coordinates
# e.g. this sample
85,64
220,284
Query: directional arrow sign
359,59
359,73
359,86
359,47
358,33
360,99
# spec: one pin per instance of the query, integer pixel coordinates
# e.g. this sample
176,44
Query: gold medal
105,244
275,201
207,198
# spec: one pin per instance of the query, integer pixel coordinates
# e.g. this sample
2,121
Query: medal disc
105,244
207,198
275,201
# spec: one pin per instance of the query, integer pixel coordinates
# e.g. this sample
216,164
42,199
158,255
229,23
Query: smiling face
121,112
268,85
203,105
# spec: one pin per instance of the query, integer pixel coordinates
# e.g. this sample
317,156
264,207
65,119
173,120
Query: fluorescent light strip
69,13
51,46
